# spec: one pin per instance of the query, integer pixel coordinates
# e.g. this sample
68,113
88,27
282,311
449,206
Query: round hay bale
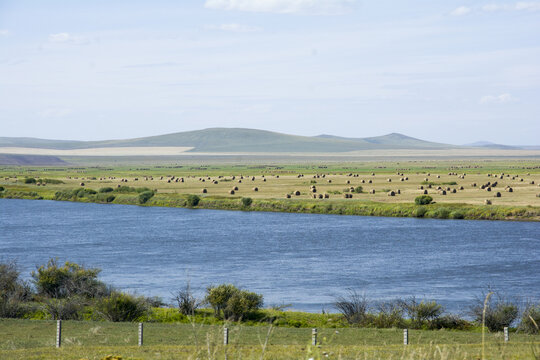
510,190
461,188
314,196
391,193
321,196
346,196
426,179
264,180
118,185
442,192
438,176
498,194
231,192
425,192
216,182
288,196
488,189
297,193
372,174
454,191
398,191
239,181
402,179
473,184
348,181
487,202
370,181
204,191
327,196
329,181
253,178
372,191
363,181
255,189
235,188
82,184
389,180
314,190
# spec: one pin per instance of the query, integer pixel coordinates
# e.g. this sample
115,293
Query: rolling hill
231,140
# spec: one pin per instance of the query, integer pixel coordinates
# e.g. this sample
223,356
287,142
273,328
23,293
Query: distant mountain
33,160
235,140
490,145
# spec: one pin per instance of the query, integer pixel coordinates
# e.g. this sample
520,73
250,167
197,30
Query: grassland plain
460,189
29,339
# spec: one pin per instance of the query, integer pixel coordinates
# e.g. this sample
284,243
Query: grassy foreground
27,339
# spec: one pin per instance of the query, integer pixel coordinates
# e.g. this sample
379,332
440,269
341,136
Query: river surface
300,259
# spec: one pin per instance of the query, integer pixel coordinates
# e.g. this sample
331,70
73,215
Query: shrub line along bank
147,197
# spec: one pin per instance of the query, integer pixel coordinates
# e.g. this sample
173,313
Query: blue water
302,259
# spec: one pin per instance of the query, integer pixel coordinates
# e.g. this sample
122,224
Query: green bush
421,313
105,197
193,200
145,196
358,189
247,201
55,281
29,181
353,307
63,309
457,215
500,313
2,188
106,189
390,315
51,181
423,200
232,303
122,307
441,213
13,291
419,212
530,319
452,322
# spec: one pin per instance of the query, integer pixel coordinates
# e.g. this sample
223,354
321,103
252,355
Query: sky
440,70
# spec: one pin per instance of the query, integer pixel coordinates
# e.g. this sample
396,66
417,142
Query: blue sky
448,71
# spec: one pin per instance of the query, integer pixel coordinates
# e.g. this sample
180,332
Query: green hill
239,140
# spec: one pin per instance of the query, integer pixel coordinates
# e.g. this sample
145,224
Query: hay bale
370,181
442,192
239,181
82,184
253,178
204,191
215,182
454,191
321,196
255,189
488,189
363,181
389,180
487,202
231,192
327,196
421,187
348,181
313,189
297,193
235,188
264,180
425,192
391,193
329,181
438,176
372,191
461,188
314,196
288,196
473,184
498,194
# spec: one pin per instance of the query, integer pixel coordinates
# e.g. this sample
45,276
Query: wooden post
506,335
140,334
58,333
314,336
225,336
405,336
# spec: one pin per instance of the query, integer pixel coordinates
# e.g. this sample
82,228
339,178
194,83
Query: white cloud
462,10
234,28
530,6
4,32
497,99
314,7
66,38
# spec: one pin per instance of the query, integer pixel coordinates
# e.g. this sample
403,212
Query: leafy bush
353,307
232,302
193,200
358,189
106,198
106,189
530,319
13,291
421,313
63,309
145,196
423,200
55,281
29,181
452,322
441,213
51,181
500,313
187,302
390,315
419,212
247,201
457,215
2,188
122,307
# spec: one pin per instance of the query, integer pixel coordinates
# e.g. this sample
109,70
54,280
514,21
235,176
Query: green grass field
464,197
29,339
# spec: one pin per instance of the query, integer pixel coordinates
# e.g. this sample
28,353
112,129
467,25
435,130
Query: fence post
506,335
314,336
225,336
58,333
140,334
405,336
